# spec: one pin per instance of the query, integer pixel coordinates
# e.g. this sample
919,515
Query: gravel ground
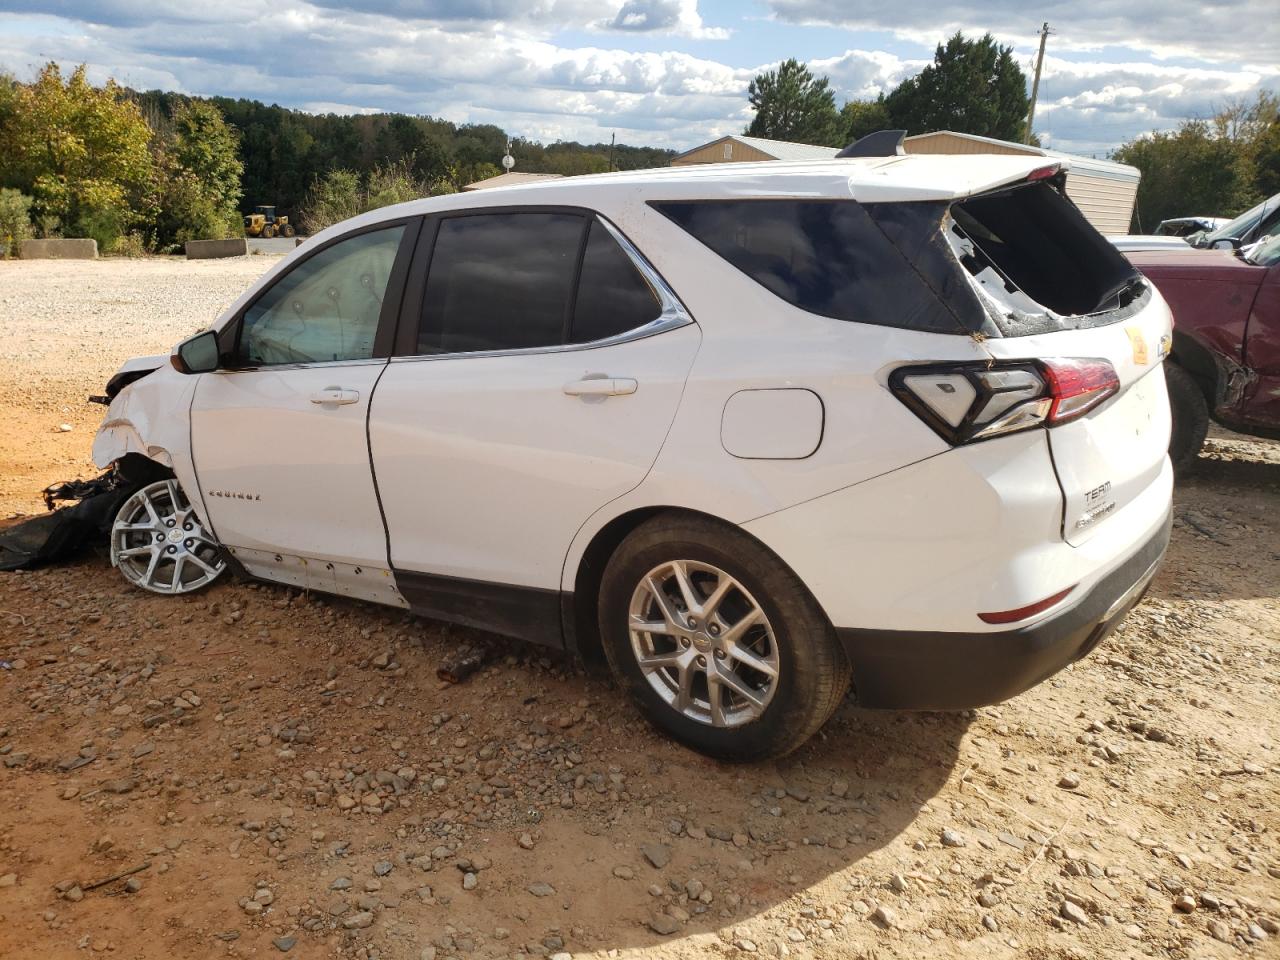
282,774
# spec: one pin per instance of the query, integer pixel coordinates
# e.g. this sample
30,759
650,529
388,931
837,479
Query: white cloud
367,61
662,16
516,74
1233,30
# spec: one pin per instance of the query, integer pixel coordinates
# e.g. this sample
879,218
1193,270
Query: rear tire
1190,417
269,231
751,714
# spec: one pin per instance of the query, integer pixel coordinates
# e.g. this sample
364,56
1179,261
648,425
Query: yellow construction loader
264,223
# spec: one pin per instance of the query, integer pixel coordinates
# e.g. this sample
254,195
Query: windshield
1237,228
1267,253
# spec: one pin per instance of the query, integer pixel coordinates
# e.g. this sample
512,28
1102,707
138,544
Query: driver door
279,434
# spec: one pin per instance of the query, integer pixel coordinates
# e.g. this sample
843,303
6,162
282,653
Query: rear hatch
1058,290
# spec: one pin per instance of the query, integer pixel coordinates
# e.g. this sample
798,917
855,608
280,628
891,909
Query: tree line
145,171
1218,166
972,86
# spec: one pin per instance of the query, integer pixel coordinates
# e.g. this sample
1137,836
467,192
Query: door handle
335,395
601,387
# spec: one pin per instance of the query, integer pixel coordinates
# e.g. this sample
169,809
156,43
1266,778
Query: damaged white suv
750,432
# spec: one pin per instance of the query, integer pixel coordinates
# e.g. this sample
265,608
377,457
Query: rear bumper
940,670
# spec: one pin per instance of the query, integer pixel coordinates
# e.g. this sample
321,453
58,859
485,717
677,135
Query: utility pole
613,138
1035,84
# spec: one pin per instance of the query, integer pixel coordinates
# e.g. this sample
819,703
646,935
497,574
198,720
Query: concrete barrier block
59,249
213,249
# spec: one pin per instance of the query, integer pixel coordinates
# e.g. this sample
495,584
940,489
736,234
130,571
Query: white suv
750,432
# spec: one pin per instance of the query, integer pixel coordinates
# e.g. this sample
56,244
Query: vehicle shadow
1226,512
1210,472
580,827
651,842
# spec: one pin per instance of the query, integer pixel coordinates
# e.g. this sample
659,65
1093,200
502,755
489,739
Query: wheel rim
704,644
159,543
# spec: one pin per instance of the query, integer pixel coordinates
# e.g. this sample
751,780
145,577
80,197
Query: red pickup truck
1225,363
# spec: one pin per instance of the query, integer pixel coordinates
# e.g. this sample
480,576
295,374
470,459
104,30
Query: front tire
158,542
718,642
1190,417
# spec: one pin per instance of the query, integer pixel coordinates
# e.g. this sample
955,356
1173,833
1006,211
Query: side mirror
198,354
1227,243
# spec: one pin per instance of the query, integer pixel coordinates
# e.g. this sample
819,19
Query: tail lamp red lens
1078,386
1027,612
964,402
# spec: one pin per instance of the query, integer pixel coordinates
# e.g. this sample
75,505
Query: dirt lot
288,777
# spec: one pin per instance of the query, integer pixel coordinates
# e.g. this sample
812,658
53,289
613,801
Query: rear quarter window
837,258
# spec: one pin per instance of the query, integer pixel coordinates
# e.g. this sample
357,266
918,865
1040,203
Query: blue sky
669,73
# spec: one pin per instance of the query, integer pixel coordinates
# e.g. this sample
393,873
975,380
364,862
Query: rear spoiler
882,143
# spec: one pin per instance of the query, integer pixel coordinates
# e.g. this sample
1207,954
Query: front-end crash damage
143,439
148,417
91,506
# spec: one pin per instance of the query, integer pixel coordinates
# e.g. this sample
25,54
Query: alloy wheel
158,543
704,644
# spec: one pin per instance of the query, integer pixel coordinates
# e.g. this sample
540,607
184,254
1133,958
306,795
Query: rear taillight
963,402
1078,386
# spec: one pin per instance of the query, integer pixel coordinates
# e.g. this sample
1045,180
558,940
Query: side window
326,308
613,296
500,281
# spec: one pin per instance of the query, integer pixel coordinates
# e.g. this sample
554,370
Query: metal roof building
737,149
1105,191
511,179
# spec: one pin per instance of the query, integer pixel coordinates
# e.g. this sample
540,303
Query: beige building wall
948,143
724,150
1106,201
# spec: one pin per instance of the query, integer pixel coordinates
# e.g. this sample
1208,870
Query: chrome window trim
304,365
672,316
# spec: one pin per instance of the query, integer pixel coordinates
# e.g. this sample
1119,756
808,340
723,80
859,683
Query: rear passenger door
541,363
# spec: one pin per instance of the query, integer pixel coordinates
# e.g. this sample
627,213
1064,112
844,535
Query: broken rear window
1032,251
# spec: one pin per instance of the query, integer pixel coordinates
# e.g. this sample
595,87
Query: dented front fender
151,417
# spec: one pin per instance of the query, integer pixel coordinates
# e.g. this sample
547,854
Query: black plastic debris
65,530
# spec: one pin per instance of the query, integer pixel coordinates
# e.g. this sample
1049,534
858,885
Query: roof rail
882,143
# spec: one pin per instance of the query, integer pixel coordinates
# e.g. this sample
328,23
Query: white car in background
1243,233
749,432
1184,226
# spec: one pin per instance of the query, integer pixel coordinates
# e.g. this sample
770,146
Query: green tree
791,104
1190,171
204,144
392,183
1255,129
15,221
972,86
80,151
198,173
335,196
340,194
861,117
